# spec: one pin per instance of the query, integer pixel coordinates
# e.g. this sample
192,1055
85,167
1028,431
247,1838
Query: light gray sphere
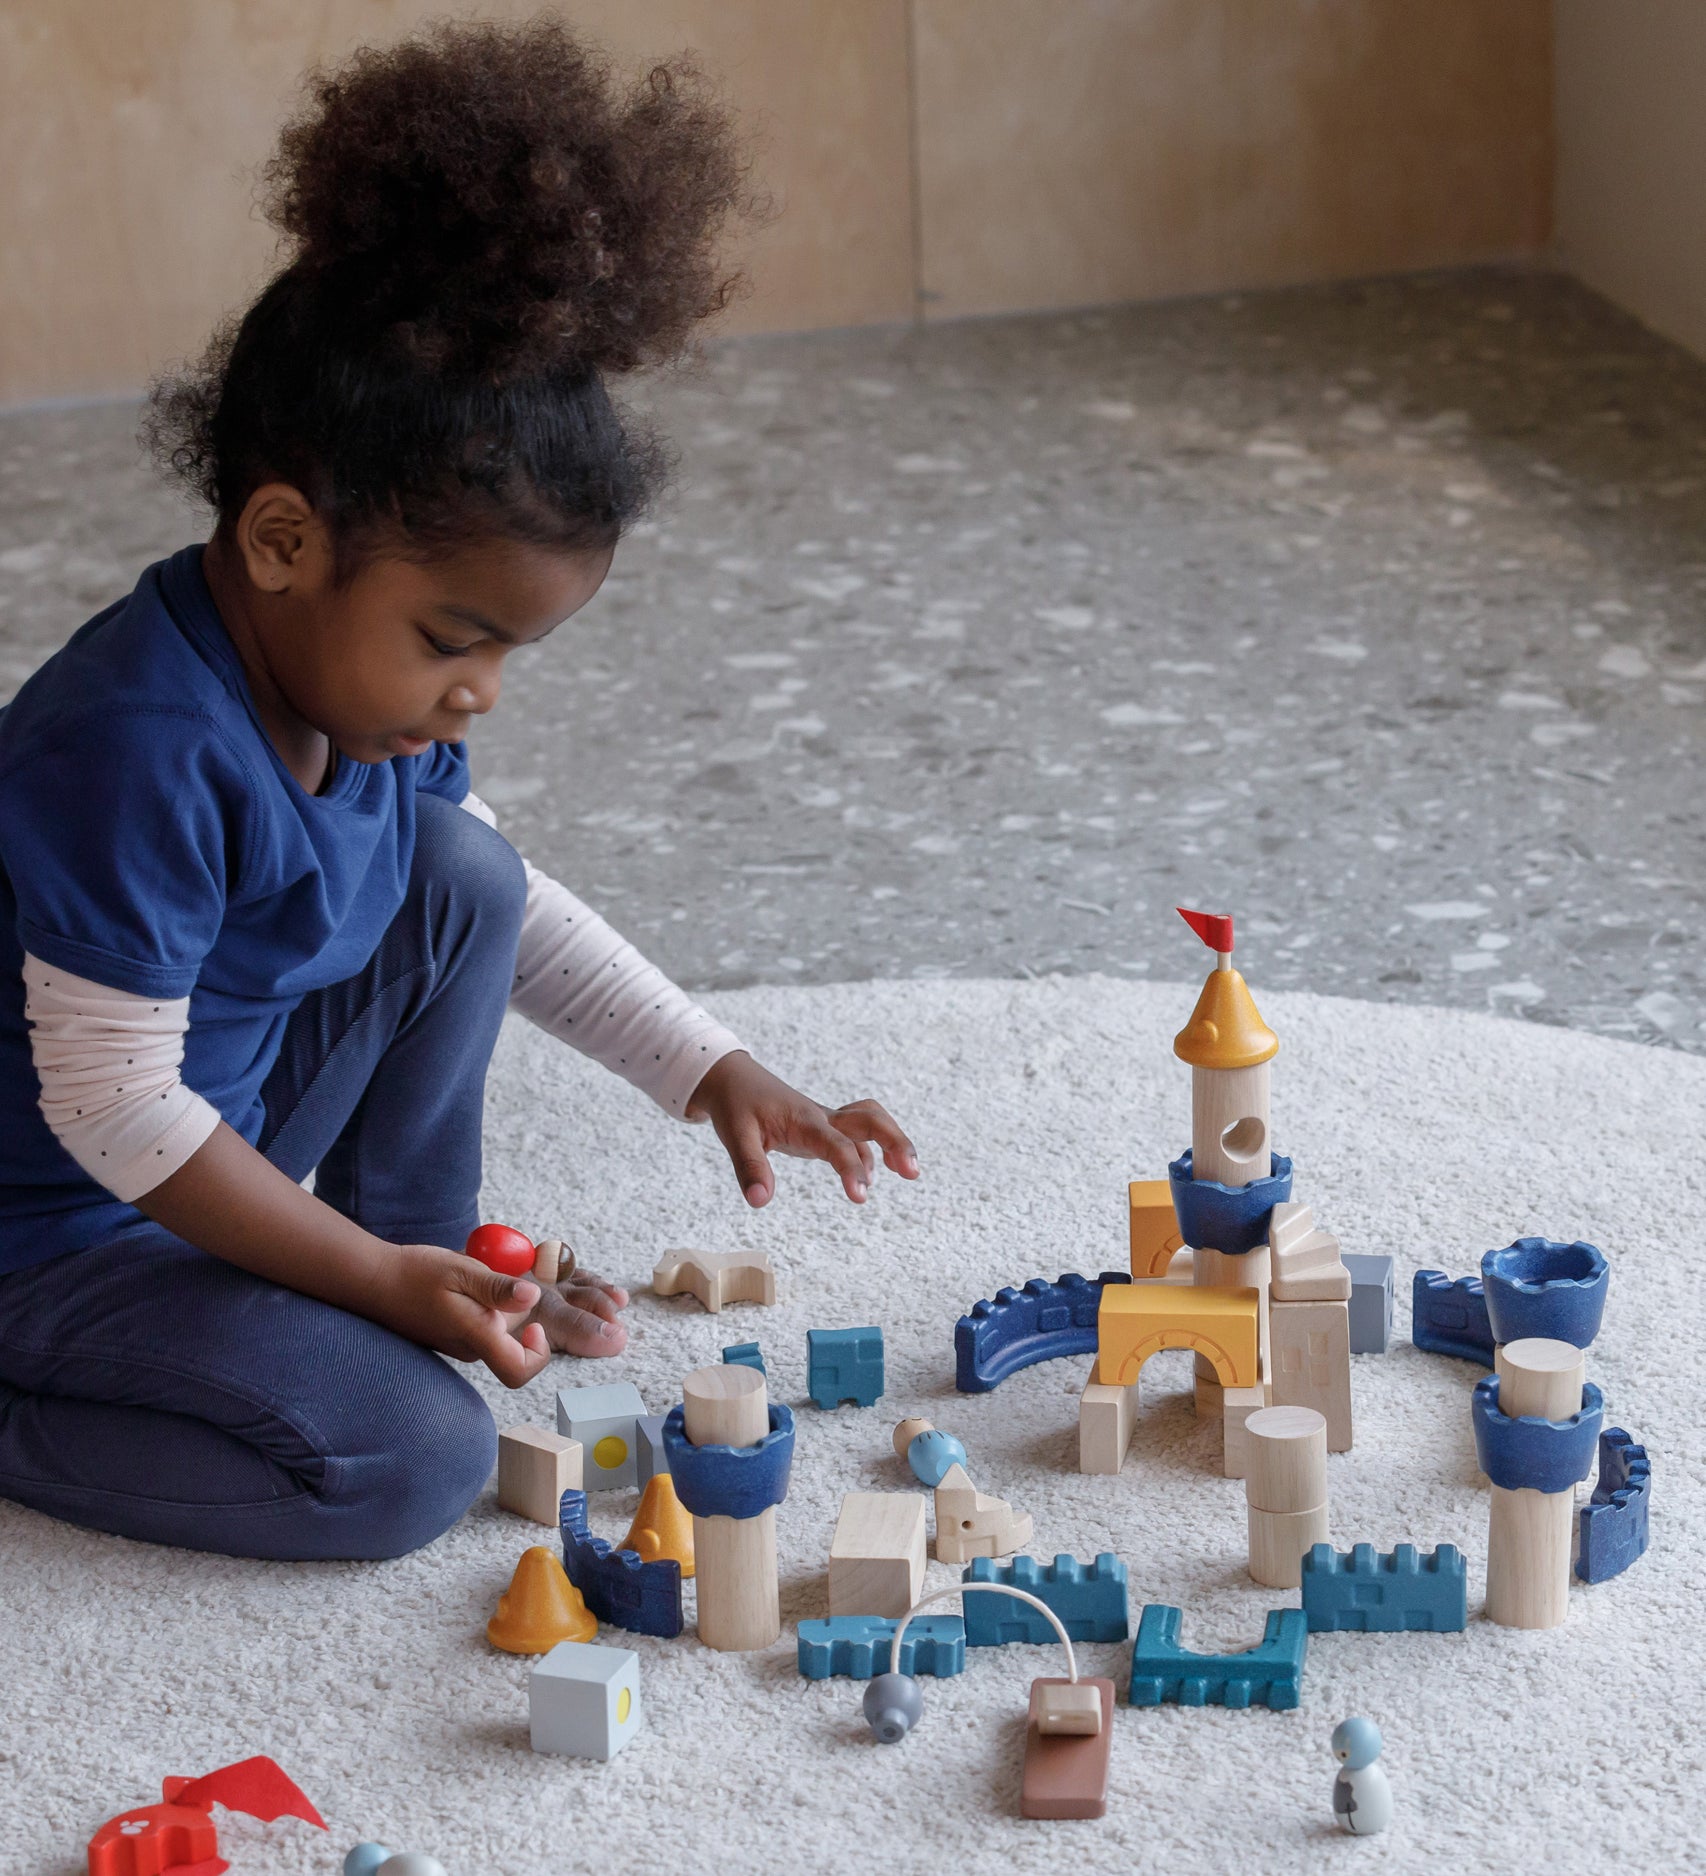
893,1706
410,1863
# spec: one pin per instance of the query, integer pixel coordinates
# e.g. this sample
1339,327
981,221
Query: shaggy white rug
1429,1134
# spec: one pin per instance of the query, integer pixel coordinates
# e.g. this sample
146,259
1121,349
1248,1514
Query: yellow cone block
661,1526
1136,1319
540,1608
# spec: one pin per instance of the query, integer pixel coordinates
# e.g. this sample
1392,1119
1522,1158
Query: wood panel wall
931,157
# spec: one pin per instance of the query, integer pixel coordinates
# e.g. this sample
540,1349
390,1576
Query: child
252,922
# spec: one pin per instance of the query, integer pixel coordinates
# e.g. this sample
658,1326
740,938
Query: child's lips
411,745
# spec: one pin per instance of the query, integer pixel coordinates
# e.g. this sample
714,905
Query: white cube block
604,1421
584,1700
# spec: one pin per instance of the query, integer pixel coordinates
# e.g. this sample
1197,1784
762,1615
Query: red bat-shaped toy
177,1838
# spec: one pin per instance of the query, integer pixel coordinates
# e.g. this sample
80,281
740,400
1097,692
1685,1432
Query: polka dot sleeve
584,983
108,1062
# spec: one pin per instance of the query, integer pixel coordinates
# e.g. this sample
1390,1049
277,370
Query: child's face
406,653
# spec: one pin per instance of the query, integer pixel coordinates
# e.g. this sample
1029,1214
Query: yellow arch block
1136,1319
1154,1228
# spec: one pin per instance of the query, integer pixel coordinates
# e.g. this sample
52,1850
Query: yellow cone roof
540,1608
1226,1029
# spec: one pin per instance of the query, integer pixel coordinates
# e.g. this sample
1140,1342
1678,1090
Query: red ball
499,1248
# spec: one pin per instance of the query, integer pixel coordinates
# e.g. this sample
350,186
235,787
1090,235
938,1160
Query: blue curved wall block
1041,1322
1449,1318
1614,1526
1538,1287
1228,1219
616,1585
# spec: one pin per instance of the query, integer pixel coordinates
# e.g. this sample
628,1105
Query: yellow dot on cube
624,1706
610,1452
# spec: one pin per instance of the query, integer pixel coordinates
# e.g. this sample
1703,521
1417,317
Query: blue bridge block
1614,1525
1374,1591
858,1646
1449,1318
1266,1676
1091,1603
1041,1322
615,1584
844,1364
1371,1301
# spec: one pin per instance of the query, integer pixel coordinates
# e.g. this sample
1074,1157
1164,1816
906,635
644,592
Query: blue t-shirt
152,839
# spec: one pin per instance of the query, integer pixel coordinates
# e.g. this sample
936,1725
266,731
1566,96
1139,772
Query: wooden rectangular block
877,1557
535,1469
1237,1405
1310,1349
1106,1417
1066,1774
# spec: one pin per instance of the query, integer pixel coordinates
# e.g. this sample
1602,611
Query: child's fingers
585,1280
745,1144
515,1360
514,1296
602,1299
844,1155
578,1331
870,1120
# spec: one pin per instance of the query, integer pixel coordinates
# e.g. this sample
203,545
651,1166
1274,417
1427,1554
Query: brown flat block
1066,1774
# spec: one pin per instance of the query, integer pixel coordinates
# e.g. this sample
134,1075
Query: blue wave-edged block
1017,1328
1614,1524
1269,1675
844,1364
1527,1452
1230,1219
1448,1318
1388,1591
1091,1603
618,1586
859,1646
744,1355
1538,1287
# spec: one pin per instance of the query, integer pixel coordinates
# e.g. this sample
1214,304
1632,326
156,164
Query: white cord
1001,1589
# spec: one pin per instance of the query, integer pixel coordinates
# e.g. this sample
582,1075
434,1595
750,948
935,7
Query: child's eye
442,649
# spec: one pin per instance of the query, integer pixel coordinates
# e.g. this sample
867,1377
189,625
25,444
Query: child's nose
475,699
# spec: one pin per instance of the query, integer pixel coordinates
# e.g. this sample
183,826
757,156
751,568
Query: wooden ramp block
971,1524
877,1557
1066,1774
535,1469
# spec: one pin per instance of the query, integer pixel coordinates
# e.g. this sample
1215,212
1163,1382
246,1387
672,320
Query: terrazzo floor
1370,612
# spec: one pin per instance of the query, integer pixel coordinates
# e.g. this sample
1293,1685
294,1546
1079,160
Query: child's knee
442,1452
459,853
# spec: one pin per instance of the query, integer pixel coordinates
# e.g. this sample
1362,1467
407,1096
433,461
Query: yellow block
1154,1228
1136,1319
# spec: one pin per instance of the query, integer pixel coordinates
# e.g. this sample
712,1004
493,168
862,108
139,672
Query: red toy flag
1213,928
176,1838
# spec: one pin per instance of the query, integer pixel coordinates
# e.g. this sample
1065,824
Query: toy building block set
1226,1261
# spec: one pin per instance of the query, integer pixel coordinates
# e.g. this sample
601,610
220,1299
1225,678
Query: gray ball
364,1859
893,1705
410,1863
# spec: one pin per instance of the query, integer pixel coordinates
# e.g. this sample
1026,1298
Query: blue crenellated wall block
1091,1603
1448,1318
616,1585
744,1355
859,1645
1042,1322
1388,1591
844,1364
1613,1530
1270,1675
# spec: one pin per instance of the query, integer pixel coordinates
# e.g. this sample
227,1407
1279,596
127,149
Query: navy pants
150,1389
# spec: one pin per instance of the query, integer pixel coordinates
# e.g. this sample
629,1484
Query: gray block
1371,1302
603,1420
649,1455
584,1700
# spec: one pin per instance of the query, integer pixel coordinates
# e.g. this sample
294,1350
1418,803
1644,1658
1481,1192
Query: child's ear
282,541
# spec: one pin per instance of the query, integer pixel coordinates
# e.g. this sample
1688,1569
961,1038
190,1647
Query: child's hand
451,1303
756,1114
578,1311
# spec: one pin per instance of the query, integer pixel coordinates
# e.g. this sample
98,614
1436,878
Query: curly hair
482,225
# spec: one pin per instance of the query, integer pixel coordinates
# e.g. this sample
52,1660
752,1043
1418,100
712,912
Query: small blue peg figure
1362,1799
930,1454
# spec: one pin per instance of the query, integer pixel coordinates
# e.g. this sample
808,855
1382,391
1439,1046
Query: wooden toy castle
1223,1260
